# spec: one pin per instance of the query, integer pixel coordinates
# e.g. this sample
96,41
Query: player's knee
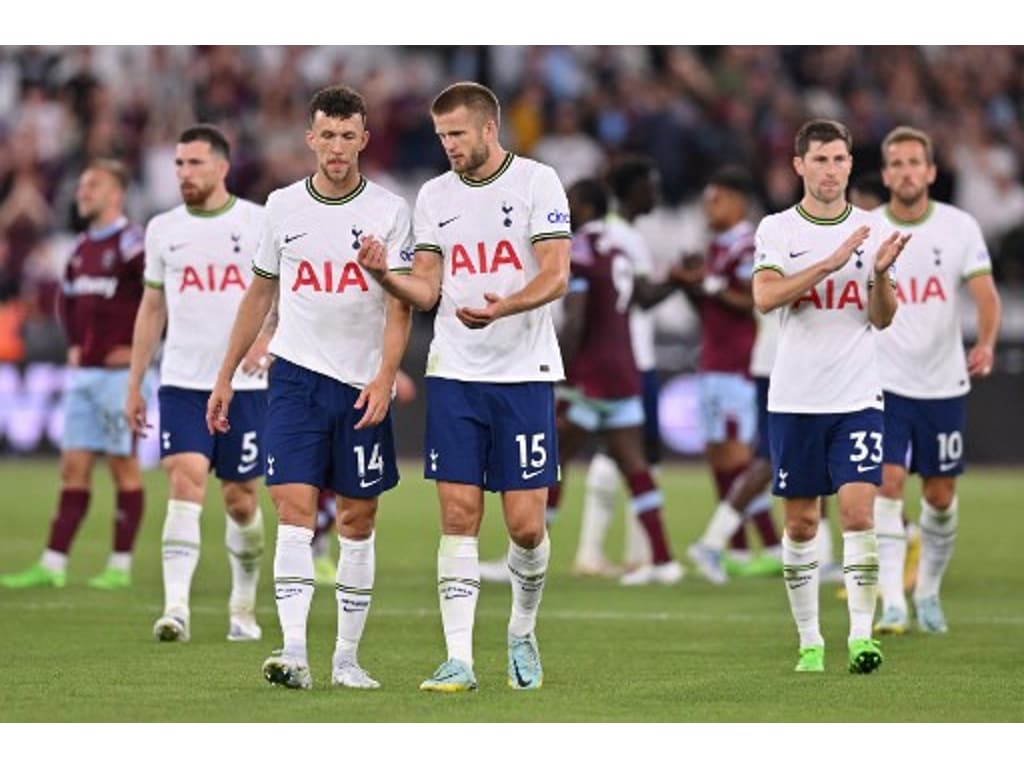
357,521
939,494
240,501
74,474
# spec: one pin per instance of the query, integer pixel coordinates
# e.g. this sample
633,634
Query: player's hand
405,387
217,408
689,272
979,360
373,257
74,356
376,398
257,360
484,316
135,413
843,253
890,250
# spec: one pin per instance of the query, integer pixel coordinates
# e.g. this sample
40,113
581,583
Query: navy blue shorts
500,437
652,430
234,455
813,454
762,447
926,436
310,436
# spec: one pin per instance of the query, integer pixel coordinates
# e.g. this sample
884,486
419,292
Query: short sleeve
549,215
267,262
976,257
153,274
768,248
424,225
743,266
399,242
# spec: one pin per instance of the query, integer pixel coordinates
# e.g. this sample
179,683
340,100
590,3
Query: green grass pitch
688,653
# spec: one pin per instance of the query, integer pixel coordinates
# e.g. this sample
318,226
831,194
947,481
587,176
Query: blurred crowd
574,107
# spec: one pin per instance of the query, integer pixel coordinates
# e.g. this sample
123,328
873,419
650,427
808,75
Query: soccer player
603,381
492,245
634,184
337,350
925,374
821,264
196,264
721,289
101,293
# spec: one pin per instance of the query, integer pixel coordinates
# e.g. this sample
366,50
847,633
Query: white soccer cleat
893,622
171,628
289,671
668,573
348,674
595,567
495,570
708,562
243,628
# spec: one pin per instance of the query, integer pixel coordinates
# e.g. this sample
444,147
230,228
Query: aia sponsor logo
830,294
913,292
479,260
214,278
328,277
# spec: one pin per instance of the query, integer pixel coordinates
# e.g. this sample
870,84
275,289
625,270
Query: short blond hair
904,133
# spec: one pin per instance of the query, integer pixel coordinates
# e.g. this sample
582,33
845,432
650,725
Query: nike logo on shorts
364,484
861,468
945,466
528,475
244,468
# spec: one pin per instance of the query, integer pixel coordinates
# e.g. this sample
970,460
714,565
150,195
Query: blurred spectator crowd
574,107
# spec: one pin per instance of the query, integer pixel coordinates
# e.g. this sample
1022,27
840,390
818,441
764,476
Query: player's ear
309,139
798,165
365,141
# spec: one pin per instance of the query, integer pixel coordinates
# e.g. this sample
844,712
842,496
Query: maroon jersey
728,333
604,367
102,290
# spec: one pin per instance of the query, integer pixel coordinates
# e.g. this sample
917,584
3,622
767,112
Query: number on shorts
860,446
951,446
536,456
250,449
376,462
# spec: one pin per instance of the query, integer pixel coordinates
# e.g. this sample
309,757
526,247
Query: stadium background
576,107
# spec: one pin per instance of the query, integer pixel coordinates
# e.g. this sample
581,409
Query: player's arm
647,294
989,309
252,312
881,294
257,359
66,315
376,395
419,287
149,327
550,283
772,289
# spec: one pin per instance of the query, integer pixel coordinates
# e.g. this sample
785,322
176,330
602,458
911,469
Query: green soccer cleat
34,576
453,676
763,565
812,659
525,672
289,671
111,578
865,656
930,618
325,572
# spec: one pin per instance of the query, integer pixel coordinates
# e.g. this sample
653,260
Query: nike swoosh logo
945,466
798,253
364,484
519,678
346,609
176,247
243,468
528,475
446,222
861,468
289,238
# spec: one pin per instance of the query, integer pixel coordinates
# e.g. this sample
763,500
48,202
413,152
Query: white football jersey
201,261
825,361
484,232
331,313
766,343
641,321
922,353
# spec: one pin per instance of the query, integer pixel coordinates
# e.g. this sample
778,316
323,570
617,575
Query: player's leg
82,440
888,511
637,551
522,462
298,445
855,463
129,502
124,468
363,467
940,461
324,564
456,444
